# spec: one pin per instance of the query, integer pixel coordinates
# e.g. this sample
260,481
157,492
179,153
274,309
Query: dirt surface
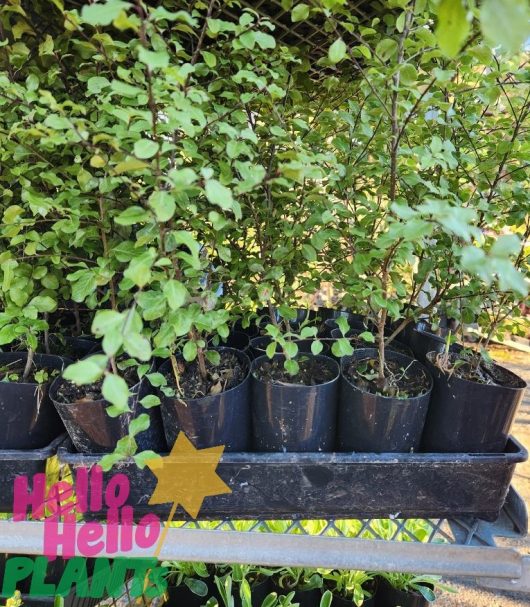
312,372
68,392
470,594
400,381
225,375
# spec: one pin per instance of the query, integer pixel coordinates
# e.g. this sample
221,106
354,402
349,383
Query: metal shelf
464,548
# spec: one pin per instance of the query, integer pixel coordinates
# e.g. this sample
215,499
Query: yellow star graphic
187,475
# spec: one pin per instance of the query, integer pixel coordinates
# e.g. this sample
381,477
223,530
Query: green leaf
506,23
300,13
291,366
105,321
337,51
506,245
139,424
145,148
291,349
153,59
116,392
137,346
222,196
270,350
96,84
386,48
141,459
368,337
209,58
139,270
189,351
316,347
453,27
163,205
150,401
103,13
43,303
342,347
132,215
109,460
86,371
133,164
176,294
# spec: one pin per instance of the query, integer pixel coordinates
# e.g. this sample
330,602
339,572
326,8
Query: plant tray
339,485
15,462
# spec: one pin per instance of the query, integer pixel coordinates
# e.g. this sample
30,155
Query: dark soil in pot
379,419
29,419
258,346
471,411
92,430
354,335
294,413
211,411
388,596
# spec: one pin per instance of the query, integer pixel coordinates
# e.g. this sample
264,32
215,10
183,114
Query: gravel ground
469,594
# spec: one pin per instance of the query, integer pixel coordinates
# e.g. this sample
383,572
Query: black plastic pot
355,321
74,348
17,462
465,416
237,340
29,419
394,345
380,424
92,430
422,341
258,346
220,419
291,417
388,596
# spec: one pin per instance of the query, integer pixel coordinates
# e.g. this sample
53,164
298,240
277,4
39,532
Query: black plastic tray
340,485
15,462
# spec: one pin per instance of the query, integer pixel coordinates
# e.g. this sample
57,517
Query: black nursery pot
218,419
422,341
380,424
29,419
74,347
92,430
292,417
237,340
468,417
388,596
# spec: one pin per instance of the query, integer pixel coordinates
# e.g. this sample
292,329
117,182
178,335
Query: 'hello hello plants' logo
184,477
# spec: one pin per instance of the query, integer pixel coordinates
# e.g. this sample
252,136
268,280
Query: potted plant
243,585
101,400
305,583
294,411
407,589
351,588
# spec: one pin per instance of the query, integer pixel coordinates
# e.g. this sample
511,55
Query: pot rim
218,349
523,386
286,386
417,363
